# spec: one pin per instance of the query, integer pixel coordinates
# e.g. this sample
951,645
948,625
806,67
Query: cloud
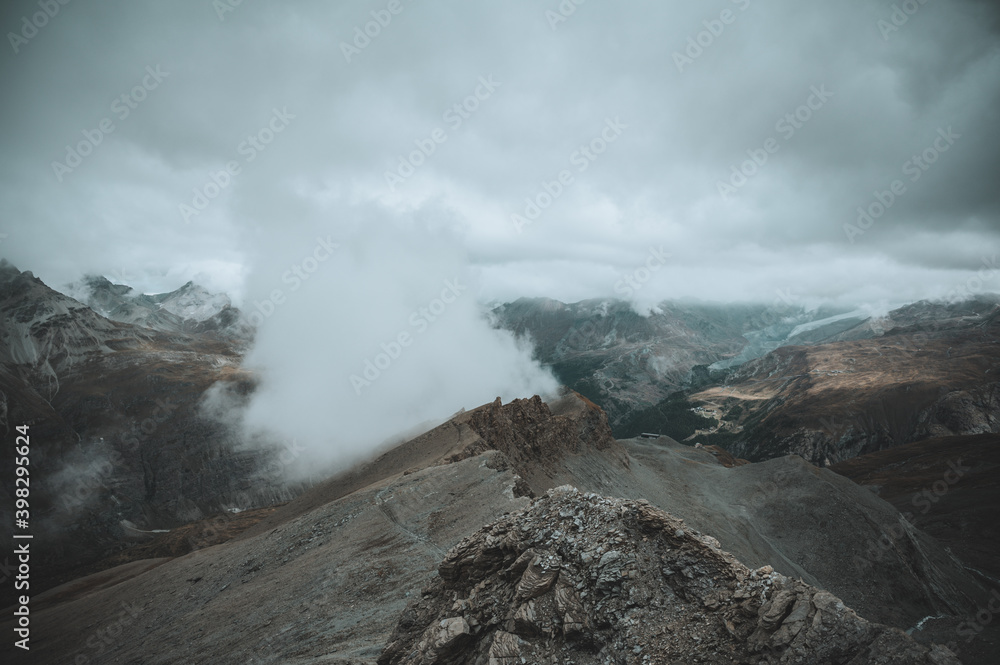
370,334
557,84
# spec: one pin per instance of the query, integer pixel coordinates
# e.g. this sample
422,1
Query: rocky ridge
835,401
535,439
586,579
124,448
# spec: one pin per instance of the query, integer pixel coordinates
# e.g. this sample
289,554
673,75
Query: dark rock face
597,580
963,513
120,446
535,439
834,401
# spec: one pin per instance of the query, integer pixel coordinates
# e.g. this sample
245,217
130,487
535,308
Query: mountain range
725,483
127,449
765,382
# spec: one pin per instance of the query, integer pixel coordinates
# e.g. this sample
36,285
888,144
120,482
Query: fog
848,149
368,335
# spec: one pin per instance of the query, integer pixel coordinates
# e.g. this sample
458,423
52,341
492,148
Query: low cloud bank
369,335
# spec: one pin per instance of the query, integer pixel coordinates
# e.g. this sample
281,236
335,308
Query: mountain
626,362
586,579
933,374
160,536
926,316
189,309
123,446
764,382
49,332
947,487
442,541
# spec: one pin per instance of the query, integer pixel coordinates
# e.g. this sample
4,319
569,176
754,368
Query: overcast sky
667,98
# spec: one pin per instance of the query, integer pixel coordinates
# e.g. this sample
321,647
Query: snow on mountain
189,309
192,302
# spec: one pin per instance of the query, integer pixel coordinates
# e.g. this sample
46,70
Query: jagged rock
445,639
539,576
586,579
505,649
571,610
534,438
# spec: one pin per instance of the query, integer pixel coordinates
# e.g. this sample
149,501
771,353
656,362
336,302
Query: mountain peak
536,437
190,308
99,284
579,576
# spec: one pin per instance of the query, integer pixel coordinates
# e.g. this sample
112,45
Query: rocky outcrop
535,439
586,579
963,412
